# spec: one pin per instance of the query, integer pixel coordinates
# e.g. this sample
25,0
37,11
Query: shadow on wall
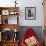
37,29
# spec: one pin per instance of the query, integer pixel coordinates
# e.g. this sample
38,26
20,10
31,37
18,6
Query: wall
27,3
39,12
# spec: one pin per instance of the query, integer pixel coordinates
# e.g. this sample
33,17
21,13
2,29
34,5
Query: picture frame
30,13
5,12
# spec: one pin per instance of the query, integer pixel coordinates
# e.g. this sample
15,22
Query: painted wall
26,3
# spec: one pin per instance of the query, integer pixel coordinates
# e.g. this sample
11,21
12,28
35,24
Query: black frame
33,14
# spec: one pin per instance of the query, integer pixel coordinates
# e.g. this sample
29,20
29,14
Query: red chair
29,33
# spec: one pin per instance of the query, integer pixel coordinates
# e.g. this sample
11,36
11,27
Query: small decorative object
6,21
30,13
13,12
5,12
15,3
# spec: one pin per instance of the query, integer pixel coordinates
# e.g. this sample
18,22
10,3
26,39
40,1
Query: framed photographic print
5,12
30,13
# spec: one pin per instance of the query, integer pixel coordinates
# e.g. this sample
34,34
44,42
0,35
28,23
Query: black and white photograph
30,13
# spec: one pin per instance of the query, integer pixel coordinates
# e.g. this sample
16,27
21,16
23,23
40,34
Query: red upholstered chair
29,33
